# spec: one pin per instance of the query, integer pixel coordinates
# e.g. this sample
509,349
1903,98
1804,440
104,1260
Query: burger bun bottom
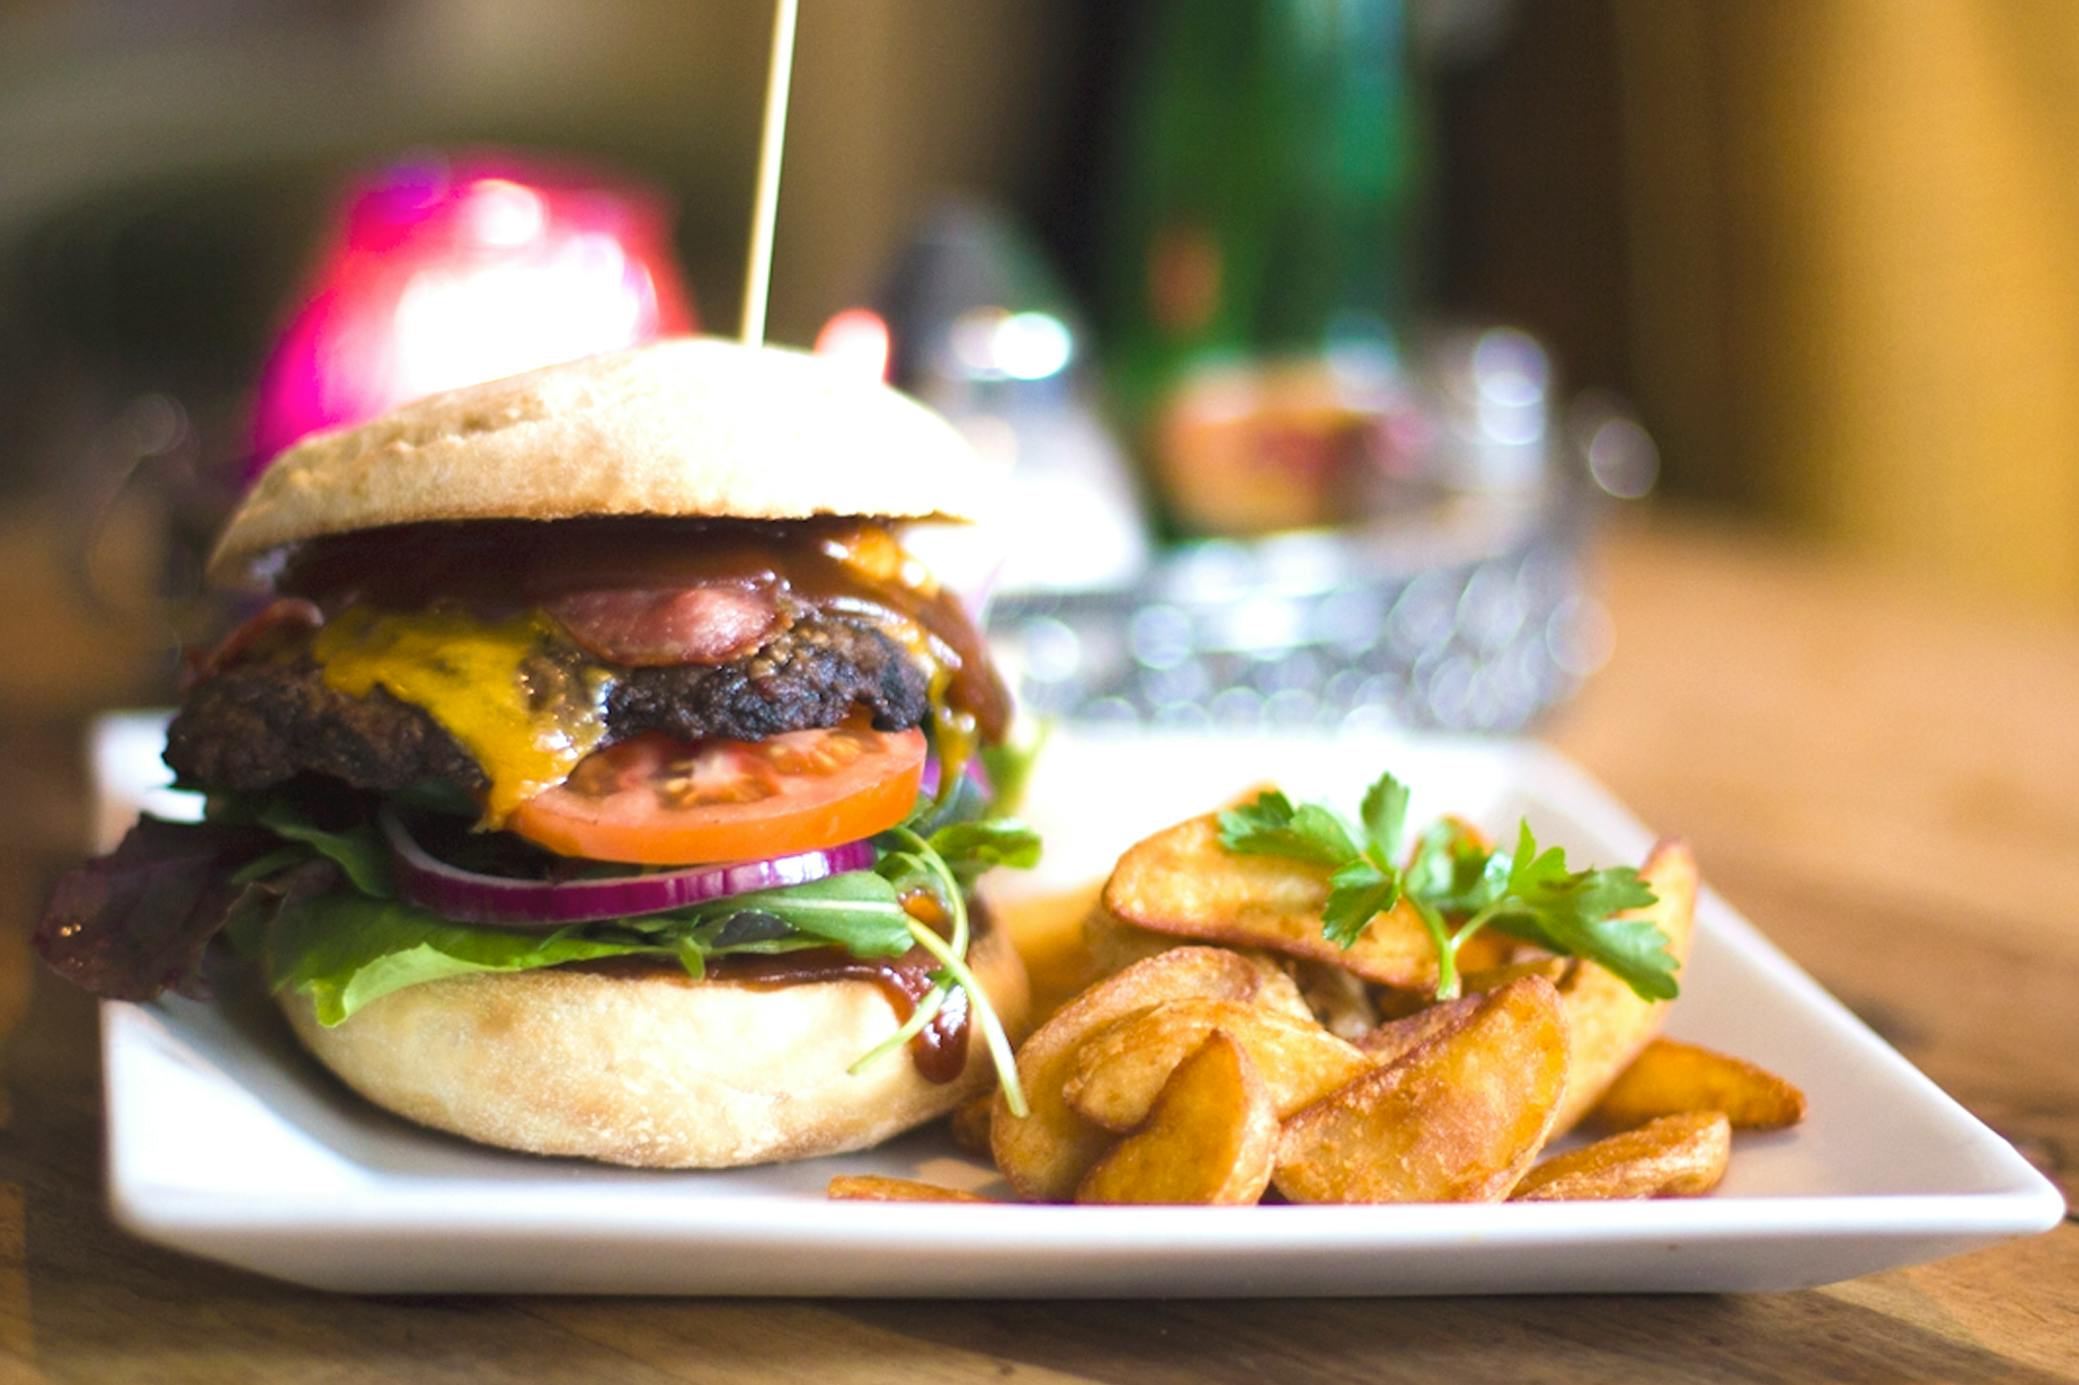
649,1068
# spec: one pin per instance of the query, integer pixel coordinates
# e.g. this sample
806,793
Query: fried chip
1676,1156
1456,1119
1395,1039
1118,1074
1608,1024
1669,1077
1346,1005
1045,1154
1183,882
874,1188
969,1124
1209,1138
1114,944
1553,969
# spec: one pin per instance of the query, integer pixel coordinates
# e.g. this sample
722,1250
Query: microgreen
910,862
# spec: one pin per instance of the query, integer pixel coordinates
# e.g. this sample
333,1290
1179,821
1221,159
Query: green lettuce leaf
1357,894
1009,766
344,949
969,849
859,911
357,850
354,943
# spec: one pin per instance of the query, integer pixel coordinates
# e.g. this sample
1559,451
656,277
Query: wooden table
1887,782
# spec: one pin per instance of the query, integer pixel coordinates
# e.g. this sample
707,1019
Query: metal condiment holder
1470,618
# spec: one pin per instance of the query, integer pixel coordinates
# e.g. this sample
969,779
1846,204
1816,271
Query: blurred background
1324,333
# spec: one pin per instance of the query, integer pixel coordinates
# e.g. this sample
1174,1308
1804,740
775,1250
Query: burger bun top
689,427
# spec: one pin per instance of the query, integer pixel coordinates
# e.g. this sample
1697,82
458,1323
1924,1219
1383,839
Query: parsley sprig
1457,886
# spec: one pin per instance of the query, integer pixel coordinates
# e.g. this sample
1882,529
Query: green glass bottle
1262,213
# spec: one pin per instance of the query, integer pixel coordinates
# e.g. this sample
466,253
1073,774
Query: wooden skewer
758,273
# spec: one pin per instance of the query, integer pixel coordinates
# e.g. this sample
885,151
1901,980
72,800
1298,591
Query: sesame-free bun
693,426
649,1068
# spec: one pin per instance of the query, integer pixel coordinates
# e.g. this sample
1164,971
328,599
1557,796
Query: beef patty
252,726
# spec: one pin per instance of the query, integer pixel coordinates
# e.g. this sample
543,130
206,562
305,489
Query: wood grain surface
1888,784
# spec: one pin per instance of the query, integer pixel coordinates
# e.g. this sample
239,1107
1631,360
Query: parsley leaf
1454,870
1572,913
1385,813
1365,884
1271,826
1458,885
1357,893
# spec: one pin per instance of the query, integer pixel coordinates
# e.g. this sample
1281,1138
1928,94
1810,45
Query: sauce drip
939,1049
848,567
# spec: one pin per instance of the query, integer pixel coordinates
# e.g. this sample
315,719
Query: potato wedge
1209,1139
1395,1039
1553,969
1456,1119
1474,834
1182,882
1050,935
1114,944
1669,1077
1119,1073
868,1187
1344,1004
1045,1154
969,1125
1607,1023
1676,1156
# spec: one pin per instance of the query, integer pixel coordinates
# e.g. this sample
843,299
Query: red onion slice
528,905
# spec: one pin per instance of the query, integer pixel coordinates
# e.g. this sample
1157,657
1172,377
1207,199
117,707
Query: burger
602,776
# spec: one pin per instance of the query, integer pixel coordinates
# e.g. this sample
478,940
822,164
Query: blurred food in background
1261,265
1226,271
1454,599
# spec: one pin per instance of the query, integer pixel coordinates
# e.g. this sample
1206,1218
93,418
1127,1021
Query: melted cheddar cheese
529,706
526,717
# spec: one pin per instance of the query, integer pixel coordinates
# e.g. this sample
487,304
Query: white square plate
226,1142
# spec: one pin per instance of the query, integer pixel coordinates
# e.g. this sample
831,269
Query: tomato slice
655,801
